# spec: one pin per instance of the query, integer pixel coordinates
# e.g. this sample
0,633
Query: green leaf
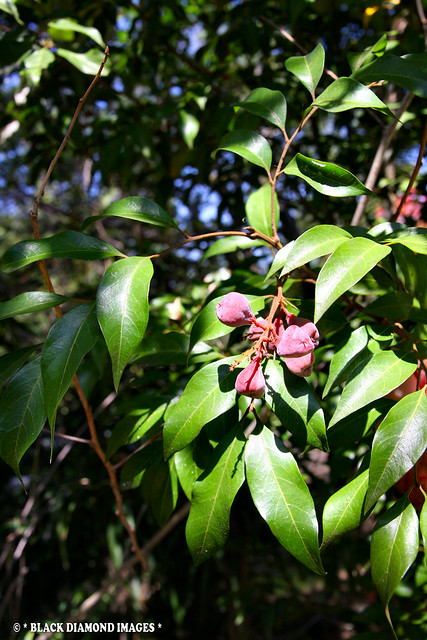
399,442
66,244
67,342
189,126
267,104
135,468
352,260
213,495
35,63
373,379
326,177
394,547
347,93
357,60
258,210
282,497
423,527
344,356
190,463
308,69
136,208
312,244
343,511
22,414
136,426
207,326
249,145
413,238
67,24
122,309
280,259
163,349
10,363
230,244
396,305
353,427
160,489
409,72
29,302
9,6
296,406
88,63
208,394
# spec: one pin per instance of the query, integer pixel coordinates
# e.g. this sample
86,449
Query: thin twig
423,19
414,175
386,138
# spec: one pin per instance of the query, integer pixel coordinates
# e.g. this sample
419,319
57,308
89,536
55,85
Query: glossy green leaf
213,495
258,210
423,528
207,326
249,145
10,363
67,24
230,244
66,244
67,342
88,63
296,406
137,426
343,357
353,427
208,394
308,69
413,238
394,547
373,379
357,60
163,349
136,208
190,463
352,260
122,309
326,177
312,244
280,258
399,442
409,72
22,413
282,497
347,93
267,104
29,302
35,63
343,511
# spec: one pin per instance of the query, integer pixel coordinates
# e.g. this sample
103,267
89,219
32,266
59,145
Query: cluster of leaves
369,301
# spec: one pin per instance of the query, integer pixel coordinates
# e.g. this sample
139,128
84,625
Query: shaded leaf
282,497
353,259
409,72
399,442
340,365
66,244
248,144
213,495
162,349
394,547
296,406
325,177
373,379
29,302
308,69
160,489
190,463
357,60
343,511
208,394
136,208
22,414
258,210
268,104
10,363
135,468
396,305
122,309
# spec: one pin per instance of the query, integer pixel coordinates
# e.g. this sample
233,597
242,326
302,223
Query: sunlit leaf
136,208
230,244
308,69
88,63
347,93
29,302
343,511
67,24
258,210
341,361
248,144
268,104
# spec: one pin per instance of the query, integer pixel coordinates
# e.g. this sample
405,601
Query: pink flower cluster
295,342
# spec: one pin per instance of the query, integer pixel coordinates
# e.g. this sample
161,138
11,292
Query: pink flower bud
306,325
302,366
295,342
250,382
234,310
256,330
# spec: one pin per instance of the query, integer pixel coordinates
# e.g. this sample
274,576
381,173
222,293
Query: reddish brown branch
414,175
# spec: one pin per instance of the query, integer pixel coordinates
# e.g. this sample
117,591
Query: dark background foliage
173,66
